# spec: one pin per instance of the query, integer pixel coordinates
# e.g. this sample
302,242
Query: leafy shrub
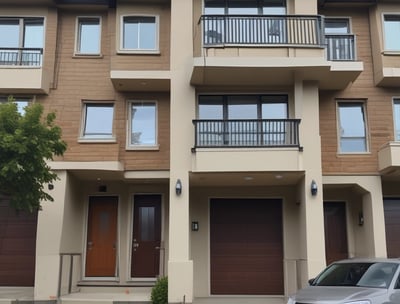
159,293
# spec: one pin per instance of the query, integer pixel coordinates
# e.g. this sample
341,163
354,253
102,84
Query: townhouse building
235,146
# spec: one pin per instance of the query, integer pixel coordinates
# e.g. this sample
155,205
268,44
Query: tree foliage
26,142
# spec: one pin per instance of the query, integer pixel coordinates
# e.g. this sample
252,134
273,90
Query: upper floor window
88,35
142,124
97,121
245,7
21,41
392,32
21,103
352,127
396,110
139,33
340,43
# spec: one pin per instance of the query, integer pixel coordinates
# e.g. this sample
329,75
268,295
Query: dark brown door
101,245
335,231
146,237
392,225
17,246
246,247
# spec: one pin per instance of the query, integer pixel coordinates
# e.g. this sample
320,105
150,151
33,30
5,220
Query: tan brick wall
378,105
77,79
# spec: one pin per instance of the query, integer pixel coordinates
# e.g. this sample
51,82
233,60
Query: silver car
354,281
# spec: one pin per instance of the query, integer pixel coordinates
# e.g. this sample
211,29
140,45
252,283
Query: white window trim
122,50
385,51
363,102
77,37
130,146
82,138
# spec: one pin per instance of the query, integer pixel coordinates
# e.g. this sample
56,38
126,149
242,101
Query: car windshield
377,275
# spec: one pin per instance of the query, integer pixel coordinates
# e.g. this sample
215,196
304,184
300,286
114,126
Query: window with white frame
98,121
396,114
139,33
88,36
392,32
21,102
21,41
142,124
352,127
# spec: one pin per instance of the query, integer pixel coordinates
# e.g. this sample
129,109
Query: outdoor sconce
360,218
178,187
50,186
314,188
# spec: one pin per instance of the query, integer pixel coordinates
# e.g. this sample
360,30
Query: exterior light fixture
360,218
314,188
178,187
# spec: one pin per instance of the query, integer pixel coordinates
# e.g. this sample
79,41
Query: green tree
26,142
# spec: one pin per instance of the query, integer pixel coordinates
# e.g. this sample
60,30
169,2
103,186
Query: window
392,32
142,124
396,114
352,127
245,7
88,35
140,33
21,41
244,120
21,103
98,121
340,43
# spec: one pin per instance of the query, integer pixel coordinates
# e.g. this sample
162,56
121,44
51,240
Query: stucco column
311,206
180,267
49,229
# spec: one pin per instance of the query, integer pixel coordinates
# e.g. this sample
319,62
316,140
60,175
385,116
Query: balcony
255,145
21,71
246,133
268,49
389,159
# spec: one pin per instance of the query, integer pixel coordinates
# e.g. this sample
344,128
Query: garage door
392,223
246,247
17,247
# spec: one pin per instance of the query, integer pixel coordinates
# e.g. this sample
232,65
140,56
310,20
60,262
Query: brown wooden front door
146,238
335,231
392,225
246,247
101,246
17,246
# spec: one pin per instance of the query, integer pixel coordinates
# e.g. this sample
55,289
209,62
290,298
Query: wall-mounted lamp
178,187
195,226
314,188
360,218
50,186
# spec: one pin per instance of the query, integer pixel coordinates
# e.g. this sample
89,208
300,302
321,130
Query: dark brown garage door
392,223
246,246
17,247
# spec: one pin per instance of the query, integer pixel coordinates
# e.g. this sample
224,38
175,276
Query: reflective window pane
392,32
88,36
396,109
143,123
98,121
33,36
337,26
352,127
147,224
242,107
139,33
9,33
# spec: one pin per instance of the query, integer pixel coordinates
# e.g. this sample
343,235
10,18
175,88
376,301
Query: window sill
139,52
346,154
391,53
84,140
143,148
88,56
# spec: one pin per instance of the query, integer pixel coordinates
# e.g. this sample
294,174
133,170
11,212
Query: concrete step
106,298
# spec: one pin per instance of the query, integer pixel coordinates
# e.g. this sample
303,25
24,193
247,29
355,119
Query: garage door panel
246,246
17,246
392,226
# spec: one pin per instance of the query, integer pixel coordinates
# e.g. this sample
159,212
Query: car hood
331,294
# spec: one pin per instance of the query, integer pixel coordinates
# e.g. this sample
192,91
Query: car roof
369,260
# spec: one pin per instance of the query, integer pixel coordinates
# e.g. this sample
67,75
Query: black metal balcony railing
247,133
340,47
262,29
21,56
